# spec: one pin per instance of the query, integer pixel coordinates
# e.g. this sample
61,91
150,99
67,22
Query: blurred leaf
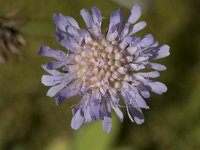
59,144
92,137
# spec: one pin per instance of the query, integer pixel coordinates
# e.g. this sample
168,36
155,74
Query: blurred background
31,121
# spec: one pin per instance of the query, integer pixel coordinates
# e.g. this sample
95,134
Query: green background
31,121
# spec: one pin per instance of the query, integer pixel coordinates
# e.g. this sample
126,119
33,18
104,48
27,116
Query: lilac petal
163,52
158,52
47,51
70,44
86,109
125,42
96,14
114,96
147,41
132,96
131,50
136,67
137,27
49,80
135,14
63,21
139,77
70,91
65,93
125,30
152,74
155,66
74,33
87,18
143,90
112,34
54,65
115,19
138,99
133,17
135,114
60,21
95,108
118,112
52,72
72,22
86,36
156,87
135,41
141,59
60,35
107,124
115,22
55,89
87,115
77,120
69,60
95,104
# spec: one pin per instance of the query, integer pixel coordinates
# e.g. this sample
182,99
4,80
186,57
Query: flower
103,68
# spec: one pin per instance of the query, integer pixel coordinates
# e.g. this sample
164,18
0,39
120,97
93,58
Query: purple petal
47,51
52,72
114,26
115,19
60,21
125,42
77,120
55,89
156,87
147,41
86,36
143,90
133,17
49,80
112,34
163,52
137,27
135,14
158,52
72,22
152,74
95,104
96,14
70,91
74,33
87,115
95,108
114,95
135,114
63,21
87,18
155,66
54,65
118,112
70,44
136,67
138,99
107,124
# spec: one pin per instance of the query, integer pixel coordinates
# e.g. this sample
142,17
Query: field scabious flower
103,68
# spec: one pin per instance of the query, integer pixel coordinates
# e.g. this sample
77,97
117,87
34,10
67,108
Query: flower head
103,68
10,36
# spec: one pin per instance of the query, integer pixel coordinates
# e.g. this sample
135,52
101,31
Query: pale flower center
102,64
